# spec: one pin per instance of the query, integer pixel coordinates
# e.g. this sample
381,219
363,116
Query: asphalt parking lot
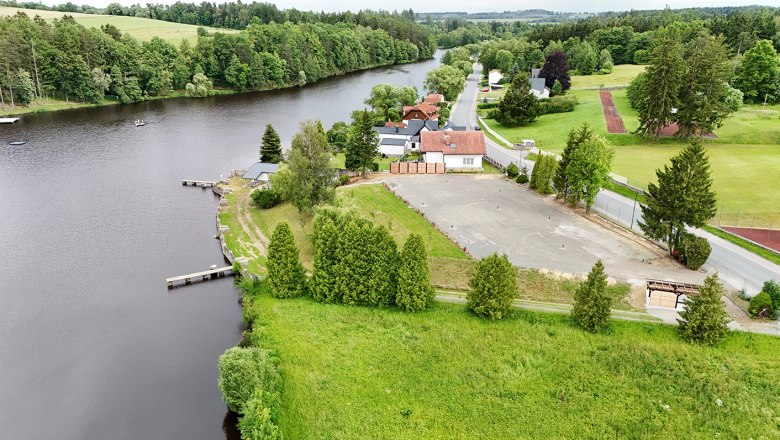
489,215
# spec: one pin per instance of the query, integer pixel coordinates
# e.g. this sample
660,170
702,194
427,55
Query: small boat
17,142
213,266
139,123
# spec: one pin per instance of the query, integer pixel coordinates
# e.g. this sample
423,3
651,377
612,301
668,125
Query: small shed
260,172
669,294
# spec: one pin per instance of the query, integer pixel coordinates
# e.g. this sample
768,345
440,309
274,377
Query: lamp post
633,211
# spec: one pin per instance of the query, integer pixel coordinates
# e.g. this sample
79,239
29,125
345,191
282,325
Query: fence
416,168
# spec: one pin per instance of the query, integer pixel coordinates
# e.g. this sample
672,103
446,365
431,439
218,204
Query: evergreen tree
683,196
544,169
575,138
592,303
271,147
557,89
324,280
519,106
493,287
414,282
605,61
362,142
286,274
383,275
354,266
704,320
704,98
662,83
556,68
588,171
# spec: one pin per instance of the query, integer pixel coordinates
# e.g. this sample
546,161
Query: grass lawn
621,76
363,373
338,162
142,29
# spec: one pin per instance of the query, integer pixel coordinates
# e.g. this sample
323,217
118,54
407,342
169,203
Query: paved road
736,266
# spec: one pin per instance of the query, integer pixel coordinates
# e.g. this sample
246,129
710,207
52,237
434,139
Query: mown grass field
142,29
620,76
744,155
362,373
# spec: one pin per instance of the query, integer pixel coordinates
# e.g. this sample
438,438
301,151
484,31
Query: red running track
614,121
768,237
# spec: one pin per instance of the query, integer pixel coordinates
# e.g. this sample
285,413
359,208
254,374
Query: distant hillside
142,29
528,15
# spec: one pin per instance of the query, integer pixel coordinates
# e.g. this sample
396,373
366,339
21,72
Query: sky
465,5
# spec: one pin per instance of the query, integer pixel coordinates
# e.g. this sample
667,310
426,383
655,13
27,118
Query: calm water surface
93,218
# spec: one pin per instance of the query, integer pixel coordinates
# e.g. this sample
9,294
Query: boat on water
17,142
139,123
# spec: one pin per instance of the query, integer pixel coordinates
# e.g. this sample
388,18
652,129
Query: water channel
93,218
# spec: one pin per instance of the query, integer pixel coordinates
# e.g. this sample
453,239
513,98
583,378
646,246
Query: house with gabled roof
410,133
434,98
422,111
458,150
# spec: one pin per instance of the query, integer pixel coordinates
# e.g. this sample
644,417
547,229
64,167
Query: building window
468,161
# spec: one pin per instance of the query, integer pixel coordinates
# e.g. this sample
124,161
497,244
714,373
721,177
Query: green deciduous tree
519,106
243,372
362,142
493,287
337,136
271,146
286,274
200,86
256,422
575,138
447,80
605,61
761,306
772,288
23,87
682,197
758,74
662,84
704,320
312,179
592,302
588,171
237,74
414,283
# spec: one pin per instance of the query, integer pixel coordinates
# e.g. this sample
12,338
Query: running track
614,121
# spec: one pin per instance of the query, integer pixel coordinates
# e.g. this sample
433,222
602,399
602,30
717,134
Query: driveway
488,215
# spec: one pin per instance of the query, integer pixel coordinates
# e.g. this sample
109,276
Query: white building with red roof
459,150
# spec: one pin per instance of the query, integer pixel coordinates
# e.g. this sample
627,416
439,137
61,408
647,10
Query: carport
669,292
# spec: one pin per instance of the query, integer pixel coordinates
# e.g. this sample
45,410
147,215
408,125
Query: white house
409,133
459,150
260,173
494,76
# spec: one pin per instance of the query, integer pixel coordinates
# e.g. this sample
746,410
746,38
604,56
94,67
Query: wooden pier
200,183
200,276
8,120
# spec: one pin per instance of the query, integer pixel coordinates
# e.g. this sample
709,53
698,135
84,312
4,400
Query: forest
65,60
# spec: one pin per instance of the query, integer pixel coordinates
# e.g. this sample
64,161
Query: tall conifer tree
271,148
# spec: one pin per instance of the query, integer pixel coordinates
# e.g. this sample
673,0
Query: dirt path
611,115
243,205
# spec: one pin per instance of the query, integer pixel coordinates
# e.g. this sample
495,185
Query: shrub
557,104
696,250
256,423
773,290
761,306
285,271
343,179
374,166
493,287
522,178
245,371
414,281
487,105
704,319
512,171
266,198
592,303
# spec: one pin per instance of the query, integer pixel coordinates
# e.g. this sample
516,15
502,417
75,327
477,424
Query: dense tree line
66,60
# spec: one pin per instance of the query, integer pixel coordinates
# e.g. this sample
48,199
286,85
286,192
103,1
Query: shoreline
176,94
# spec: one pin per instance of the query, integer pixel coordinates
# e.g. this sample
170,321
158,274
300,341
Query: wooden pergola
678,289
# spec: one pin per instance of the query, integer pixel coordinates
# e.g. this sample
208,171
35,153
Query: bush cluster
266,198
358,263
493,287
767,303
557,104
512,171
488,105
695,251
522,178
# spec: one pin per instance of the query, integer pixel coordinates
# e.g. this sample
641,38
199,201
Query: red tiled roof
434,98
465,142
395,124
430,111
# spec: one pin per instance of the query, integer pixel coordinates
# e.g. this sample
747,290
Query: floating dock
200,276
200,183
8,120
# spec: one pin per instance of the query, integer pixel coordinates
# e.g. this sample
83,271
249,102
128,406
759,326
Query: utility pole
633,211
